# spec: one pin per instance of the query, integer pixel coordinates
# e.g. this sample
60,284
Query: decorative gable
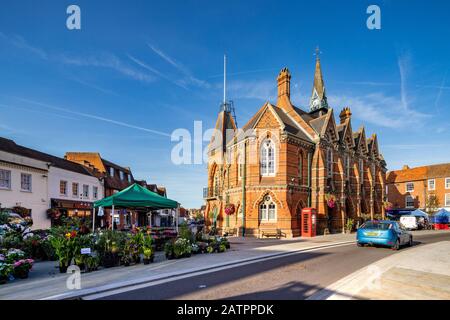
362,142
268,119
347,137
329,131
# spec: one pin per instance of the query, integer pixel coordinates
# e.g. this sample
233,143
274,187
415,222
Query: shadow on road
291,291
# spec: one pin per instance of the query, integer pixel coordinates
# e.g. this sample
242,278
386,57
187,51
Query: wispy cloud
155,71
107,60
187,78
438,96
20,42
104,60
403,67
381,110
385,110
94,117
93,86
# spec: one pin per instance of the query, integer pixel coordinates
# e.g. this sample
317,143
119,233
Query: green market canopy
136,196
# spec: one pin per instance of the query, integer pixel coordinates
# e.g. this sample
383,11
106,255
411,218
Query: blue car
383,233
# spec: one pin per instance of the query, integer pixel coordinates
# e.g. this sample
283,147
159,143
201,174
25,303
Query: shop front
72,208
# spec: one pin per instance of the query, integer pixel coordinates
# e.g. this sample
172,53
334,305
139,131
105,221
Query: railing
209,193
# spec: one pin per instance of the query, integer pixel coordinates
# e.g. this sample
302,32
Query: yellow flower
68,235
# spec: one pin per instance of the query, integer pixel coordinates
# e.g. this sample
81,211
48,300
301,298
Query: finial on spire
317,52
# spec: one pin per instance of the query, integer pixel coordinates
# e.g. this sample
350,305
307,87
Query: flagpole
112,218
93,219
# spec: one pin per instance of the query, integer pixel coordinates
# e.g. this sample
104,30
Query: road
292,277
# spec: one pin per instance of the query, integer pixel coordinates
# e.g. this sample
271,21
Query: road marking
199,273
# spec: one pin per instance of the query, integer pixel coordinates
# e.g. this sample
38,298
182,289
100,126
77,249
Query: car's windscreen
378,226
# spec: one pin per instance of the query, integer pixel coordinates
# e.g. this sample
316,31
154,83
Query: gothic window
267,166
329,163
347,165
300,168
240,166
267,210
361,170
216,184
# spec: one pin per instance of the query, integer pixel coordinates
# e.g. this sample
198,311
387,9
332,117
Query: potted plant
168,249
5,271
92,263
349,225
148,255
182,248
127,254
148,250
22,268
64,249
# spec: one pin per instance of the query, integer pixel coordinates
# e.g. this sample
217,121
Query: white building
24,183
54,183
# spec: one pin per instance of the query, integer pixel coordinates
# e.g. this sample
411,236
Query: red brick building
410,187
285,159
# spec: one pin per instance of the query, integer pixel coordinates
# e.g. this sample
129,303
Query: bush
168,249
186,233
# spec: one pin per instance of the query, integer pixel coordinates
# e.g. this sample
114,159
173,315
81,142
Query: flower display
230,209
387,205
331,200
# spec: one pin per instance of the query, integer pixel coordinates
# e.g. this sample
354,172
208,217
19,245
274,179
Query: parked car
385,233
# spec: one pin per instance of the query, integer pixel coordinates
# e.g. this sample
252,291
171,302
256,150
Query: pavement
45,282
421,273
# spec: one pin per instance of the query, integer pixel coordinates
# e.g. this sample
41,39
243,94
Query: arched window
329,163
267,167
361,170
300,168
347,165
216,183
267,210
240,166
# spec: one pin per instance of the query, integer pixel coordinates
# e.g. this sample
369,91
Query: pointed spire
224,79
318,96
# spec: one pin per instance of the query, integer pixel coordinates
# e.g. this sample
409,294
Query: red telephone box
309,218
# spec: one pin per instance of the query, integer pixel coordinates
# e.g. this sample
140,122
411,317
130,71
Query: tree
432,204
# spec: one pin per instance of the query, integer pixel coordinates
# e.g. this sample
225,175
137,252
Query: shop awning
136,196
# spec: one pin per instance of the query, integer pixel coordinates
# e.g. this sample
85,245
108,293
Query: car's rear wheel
359,244
396,245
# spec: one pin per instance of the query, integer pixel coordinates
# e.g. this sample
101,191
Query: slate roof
10,146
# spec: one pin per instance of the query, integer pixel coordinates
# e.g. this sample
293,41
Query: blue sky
137,70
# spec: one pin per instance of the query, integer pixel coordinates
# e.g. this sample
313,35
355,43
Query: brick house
285,159
409,188
115,178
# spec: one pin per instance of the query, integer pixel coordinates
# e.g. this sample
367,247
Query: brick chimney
284,83
345,114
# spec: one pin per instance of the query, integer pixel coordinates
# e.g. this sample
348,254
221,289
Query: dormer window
111,172
129,178
122,176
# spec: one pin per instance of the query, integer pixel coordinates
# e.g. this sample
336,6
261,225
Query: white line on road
158,282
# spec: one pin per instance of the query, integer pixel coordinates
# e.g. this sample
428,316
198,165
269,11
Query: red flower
73,234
